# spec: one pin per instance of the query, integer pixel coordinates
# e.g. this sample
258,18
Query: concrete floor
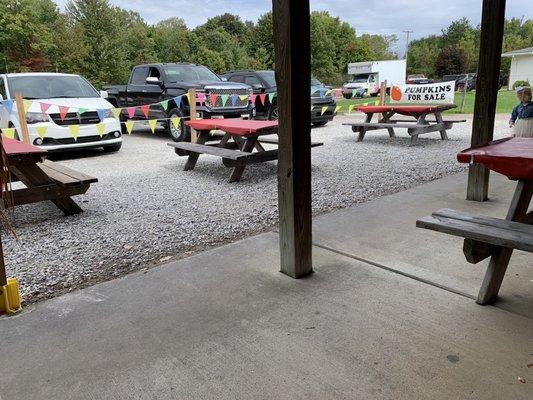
225,324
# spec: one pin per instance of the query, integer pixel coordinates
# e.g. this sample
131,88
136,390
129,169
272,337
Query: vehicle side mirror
152,80
104,94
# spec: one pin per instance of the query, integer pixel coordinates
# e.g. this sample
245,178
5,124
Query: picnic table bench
44,180
235,146
420,124
493,237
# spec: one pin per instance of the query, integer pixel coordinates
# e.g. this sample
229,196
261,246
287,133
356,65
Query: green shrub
520,83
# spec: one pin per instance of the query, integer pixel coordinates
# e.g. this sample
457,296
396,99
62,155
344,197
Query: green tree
451,60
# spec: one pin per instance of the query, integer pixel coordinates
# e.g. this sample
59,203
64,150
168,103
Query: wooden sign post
22,118
192,112
382,93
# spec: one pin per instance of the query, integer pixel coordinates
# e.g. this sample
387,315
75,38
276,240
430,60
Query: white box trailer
366,76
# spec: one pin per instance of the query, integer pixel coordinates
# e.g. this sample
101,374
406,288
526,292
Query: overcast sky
424,17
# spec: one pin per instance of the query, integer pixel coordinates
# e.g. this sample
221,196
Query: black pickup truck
153,83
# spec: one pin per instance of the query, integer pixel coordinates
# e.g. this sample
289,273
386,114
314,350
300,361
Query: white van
68,100
367,76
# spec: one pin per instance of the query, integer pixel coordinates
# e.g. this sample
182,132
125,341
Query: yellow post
9,289
22,117
192,108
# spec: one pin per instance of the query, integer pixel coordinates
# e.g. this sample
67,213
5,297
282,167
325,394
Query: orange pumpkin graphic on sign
396,93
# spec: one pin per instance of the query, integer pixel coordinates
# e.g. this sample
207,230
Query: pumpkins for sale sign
442,92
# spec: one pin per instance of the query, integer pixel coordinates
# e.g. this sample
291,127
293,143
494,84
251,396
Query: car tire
273,114
319,123
112,148
181,134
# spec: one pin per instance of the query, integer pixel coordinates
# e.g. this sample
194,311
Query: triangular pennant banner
324,109
243,97
200,97
253,98
164,104
129,126
101,114
177,100
213,99
152,123
41,131
234,99
81,110
146,110
74,131
377,102
100,128
176,122
271,97
44,107
9,132
116,112
224,98
63,111
27,105
354,92
329,92
8,105
262,97
351,107
130,111
322,93
337,109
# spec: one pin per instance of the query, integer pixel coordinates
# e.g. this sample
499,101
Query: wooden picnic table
418,125
492,237
240,145
44,179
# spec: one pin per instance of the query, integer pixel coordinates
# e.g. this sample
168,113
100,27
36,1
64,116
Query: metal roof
528,51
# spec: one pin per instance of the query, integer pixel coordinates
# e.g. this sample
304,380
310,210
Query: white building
521,65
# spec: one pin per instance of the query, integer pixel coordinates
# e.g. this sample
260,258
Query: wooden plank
490,49
292,44
476,252
211,150
22,118
453,121
384,125
72,173
47,192
252,158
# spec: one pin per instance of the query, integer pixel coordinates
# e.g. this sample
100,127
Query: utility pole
407,33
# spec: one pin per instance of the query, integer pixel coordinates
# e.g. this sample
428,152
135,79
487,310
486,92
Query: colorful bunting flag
213,99
243,97
164,104
81,110
376,103
234,99
176,122
177,100
8,105
41,131
129,126
74,131
9,132
351,107
324,109
130,111
44,107
271,97
63,111
200,97
116,112
146,110
262,97
100,128
253,98
27,105
101,114
354,93
152,123
337,109
224,98
329,92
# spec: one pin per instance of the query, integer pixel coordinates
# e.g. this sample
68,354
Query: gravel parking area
145,209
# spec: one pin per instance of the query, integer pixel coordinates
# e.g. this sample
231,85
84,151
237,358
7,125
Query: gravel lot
145,209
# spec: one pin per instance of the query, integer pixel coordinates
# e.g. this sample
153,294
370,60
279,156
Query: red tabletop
234,126
512,157
414,111
17,147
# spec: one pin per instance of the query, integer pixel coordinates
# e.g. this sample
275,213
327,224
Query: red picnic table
236,146
418,125
493,237
44,179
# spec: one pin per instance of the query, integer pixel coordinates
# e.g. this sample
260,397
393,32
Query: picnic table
44,180
418,123
240,144
493,237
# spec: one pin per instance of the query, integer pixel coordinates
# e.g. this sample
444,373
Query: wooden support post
490,49
3,275
22,118
292,44
382,93
192,112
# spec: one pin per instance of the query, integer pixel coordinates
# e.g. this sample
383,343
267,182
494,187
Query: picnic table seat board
44,180
418,126
236,147
492,237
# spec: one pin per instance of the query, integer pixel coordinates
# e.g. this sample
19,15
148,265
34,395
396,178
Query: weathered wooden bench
484,237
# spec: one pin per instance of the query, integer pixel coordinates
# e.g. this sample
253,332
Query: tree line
103,42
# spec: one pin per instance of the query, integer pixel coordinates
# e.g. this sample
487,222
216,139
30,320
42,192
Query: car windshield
189,73
360,79
51,86
269,77
316,82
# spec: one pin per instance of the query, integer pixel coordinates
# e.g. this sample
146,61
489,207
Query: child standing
522,115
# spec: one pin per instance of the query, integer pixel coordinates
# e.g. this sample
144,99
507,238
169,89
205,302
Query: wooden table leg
32,176
438,118
193,157
421,120
362,129
247,147
502,255
386,118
